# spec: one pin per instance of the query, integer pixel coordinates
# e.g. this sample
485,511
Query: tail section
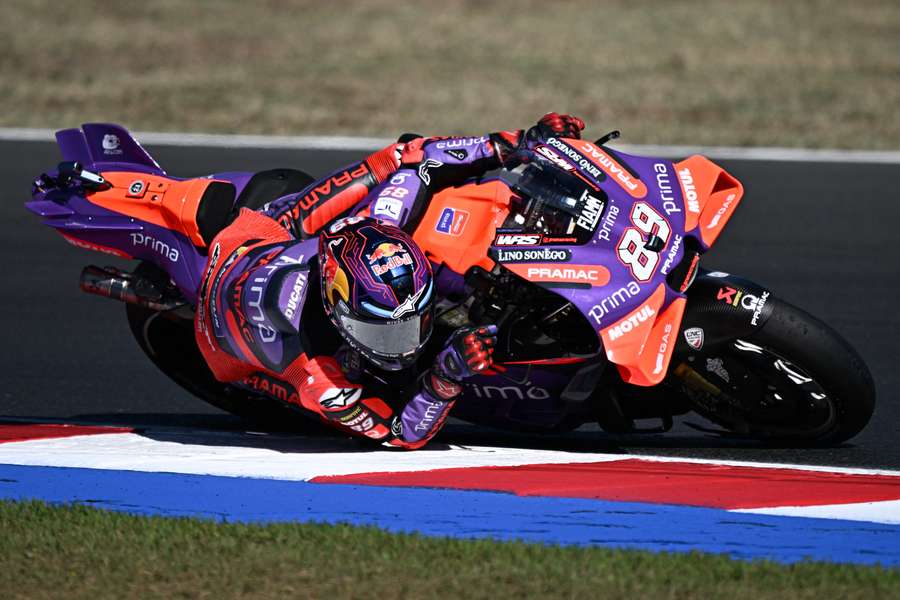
105,147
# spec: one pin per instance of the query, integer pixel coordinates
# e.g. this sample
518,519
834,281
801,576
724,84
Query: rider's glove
509,143
468,352
555,125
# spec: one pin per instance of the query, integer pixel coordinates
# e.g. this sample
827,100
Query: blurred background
810,73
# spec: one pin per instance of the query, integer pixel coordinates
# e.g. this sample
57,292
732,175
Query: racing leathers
257,328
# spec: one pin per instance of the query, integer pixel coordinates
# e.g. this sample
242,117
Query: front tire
794,380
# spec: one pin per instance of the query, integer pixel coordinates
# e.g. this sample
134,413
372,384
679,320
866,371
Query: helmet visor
388,338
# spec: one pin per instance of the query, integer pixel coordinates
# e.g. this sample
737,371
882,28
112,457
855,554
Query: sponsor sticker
553,157
517,239
136,188
666,193
591,209
337,398
689,190
738,298
452,221
461,142
514,255
631,322
614,300
589,275
111,144
721,212
387,256
635,187
694,337
388,207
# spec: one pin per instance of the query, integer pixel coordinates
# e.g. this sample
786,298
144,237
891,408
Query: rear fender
169,203
720,308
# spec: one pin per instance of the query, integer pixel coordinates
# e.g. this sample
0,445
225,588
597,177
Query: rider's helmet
377,289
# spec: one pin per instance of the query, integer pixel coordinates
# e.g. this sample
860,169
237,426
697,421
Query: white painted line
291,458
238,454
872,512
368,144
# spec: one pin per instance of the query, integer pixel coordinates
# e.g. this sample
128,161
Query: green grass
821,73
79,552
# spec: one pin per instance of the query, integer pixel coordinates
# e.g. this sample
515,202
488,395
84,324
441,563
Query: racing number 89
631,250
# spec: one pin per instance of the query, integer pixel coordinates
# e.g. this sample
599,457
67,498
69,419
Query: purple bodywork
101,148
522,394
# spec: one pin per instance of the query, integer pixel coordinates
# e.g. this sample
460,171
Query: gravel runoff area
807,73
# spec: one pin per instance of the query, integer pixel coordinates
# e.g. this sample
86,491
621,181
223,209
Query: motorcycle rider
255,329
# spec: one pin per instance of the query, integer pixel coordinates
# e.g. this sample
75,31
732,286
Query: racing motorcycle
586,257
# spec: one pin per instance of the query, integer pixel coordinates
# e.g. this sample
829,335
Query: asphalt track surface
820,235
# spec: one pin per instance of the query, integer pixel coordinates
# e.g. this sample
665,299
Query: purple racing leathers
249,326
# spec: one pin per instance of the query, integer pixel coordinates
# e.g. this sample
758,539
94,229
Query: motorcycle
586,257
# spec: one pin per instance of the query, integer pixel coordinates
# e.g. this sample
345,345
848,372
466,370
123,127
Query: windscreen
556,204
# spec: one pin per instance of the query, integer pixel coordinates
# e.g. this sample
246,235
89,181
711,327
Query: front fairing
615,281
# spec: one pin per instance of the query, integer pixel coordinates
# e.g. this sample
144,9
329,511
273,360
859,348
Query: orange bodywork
624,340
155,199
487,205
653,362
710,195
592,275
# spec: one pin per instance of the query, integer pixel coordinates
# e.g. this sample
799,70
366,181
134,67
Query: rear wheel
794,380
169,342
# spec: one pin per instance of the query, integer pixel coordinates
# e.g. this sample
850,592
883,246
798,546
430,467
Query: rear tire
169,342
794,380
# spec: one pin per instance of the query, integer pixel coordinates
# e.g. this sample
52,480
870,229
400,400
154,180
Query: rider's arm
400,175
334,195
323,387
428,165
396,181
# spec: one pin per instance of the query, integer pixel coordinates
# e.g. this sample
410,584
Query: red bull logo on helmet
387,256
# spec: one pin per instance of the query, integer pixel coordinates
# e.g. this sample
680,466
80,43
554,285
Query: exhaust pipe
123,286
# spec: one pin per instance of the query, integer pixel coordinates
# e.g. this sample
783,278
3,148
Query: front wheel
793,380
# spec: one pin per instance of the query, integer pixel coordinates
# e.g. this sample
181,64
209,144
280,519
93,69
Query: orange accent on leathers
384,162
162,201
323,373
326,213
487,205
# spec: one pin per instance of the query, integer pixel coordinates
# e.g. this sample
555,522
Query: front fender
720,308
